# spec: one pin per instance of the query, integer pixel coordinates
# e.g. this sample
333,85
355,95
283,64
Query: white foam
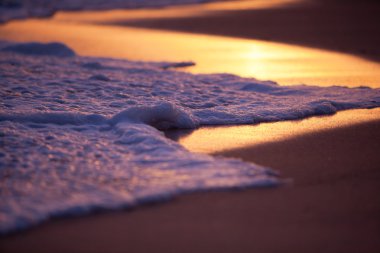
80,133
164,115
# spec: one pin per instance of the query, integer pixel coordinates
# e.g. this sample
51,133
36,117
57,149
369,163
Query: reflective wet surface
286,64
217,139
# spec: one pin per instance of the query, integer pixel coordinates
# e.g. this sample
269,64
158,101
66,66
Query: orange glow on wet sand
283,63
217,139
286,64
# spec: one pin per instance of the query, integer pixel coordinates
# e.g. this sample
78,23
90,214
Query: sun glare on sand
217,139
286,64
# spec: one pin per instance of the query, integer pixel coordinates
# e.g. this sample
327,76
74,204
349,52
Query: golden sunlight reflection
283,63
216,139
170,12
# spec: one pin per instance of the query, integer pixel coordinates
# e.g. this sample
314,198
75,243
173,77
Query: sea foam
72,142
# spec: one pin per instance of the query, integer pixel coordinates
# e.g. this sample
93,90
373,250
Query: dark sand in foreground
332,206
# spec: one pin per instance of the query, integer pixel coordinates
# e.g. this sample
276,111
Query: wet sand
86,33
346,26
332,206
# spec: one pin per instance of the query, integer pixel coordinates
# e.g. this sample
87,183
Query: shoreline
219,139
346,26
283,63
331,207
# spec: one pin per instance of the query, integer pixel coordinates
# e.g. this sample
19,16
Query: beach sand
345,26
332,205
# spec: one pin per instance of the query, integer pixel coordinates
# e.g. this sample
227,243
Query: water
211,140
19,9
88,34
79,134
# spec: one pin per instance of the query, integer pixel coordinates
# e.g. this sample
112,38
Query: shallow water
286,64
81,133
87,128
189,10
211,140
